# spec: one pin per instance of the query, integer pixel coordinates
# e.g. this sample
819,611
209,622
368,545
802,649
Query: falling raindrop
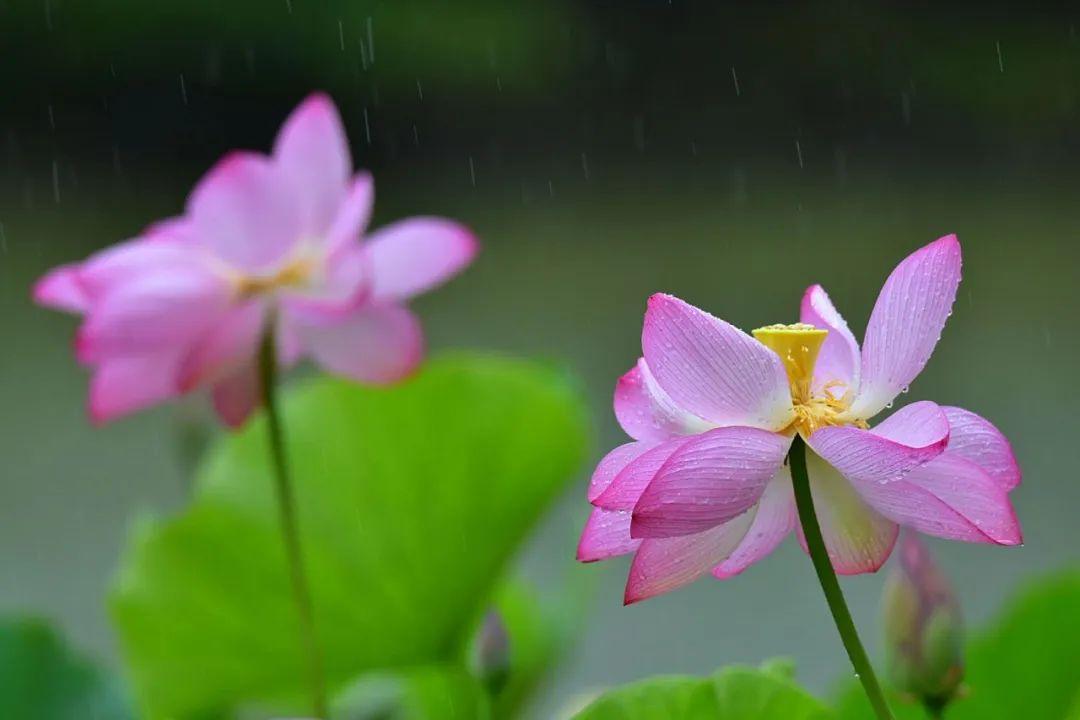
56,181
735,79
183,89
367,126
370,42
472,171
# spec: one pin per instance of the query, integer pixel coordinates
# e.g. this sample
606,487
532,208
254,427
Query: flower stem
804,501
289,527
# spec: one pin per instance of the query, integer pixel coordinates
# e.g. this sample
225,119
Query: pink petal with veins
976,439
646,412
774,520
665,564
906,323
910,437
712,369
838,359
709,480
613,464
606,535
858,538
625,489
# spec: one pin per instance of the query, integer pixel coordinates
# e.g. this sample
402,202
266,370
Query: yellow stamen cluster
296,273
798,346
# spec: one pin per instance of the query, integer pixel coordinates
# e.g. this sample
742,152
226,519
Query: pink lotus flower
712,411
263,240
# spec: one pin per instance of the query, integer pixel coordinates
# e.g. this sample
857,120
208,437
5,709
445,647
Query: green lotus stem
819,555
286,502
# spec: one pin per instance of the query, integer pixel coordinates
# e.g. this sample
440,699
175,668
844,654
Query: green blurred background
602,151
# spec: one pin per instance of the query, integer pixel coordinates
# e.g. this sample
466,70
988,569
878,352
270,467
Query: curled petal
236,396
709,480
646,412
976,439
665,564
857,537
132,260
151,313
612,464
120,386
412,256
353,215
973,493
774,520
908,504
60,289
906,323
378,344
712,369
245,213
312,153
912,436
838,360
230,345
606,535
624,490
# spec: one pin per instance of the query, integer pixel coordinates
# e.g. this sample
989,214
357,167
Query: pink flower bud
923,627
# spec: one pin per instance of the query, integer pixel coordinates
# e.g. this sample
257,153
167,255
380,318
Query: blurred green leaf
1022,666
411,501
430,693
41,680
733,693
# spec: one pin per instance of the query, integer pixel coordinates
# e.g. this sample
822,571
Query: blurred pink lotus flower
712,411
263,240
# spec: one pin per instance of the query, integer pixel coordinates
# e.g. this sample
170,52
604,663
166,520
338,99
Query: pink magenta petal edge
612,464
606,535
709,480
625,488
